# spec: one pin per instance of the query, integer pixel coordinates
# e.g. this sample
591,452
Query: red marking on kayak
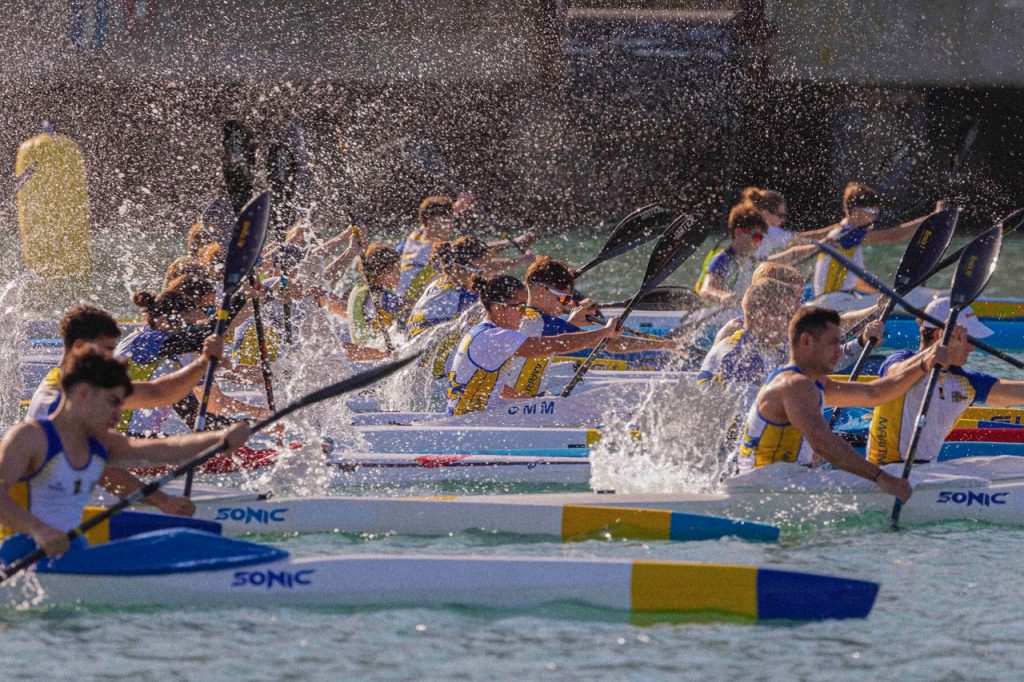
987,435
437,461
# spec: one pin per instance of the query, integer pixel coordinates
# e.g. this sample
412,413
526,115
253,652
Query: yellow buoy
53,207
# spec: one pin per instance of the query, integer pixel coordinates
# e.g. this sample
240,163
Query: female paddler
48,468
372,304
451,293
479,371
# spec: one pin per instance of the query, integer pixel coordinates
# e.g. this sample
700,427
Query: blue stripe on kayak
684,526
129,523
784,595
960,449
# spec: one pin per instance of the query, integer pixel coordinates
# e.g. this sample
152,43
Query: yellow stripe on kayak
621,523
998,309
101,533
1007,415
694,587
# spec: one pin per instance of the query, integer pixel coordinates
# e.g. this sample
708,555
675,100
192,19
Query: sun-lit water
946,610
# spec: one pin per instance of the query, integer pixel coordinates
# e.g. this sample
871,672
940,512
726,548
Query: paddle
432,162
280,165
663,298
218,220
677,243
639,227
923,252
1008,225
20,180
906,305
244,249
238,162
344,386
972,275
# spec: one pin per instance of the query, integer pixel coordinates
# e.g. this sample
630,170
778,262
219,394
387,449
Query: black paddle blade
926,248
635,229
295,141
246,242
680,239
975,268
282,188
1012,222
427,155
218,220
239,162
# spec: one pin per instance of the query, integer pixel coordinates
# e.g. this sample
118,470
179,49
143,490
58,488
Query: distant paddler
373,303
49,467
892,424
785,423
833,285
450,294
551,285
480,370
772,207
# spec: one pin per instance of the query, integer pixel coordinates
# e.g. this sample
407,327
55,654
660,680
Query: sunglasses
756,237
563,297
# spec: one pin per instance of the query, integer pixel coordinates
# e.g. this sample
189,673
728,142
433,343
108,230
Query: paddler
373,302
49,467
772,207
447,296
861,206
785,423
892,424
481,365
551,285
436,218
86,325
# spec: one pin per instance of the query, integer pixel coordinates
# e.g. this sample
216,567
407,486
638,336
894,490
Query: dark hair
763,199
745,216
377,260
435,207
92,367
856,195
88,322
169,304
545,270
810,319
500,289
194,288
464,251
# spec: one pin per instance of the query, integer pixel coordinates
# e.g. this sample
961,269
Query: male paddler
49,467
893,423
785,423
86,325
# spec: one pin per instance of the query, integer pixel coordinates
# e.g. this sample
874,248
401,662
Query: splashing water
12,320
681,446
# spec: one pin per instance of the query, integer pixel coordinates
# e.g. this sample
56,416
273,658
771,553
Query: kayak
433,517
192,568
569,467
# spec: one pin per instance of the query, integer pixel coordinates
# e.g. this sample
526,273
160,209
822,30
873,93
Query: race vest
831,276
57,492
525,374
892,424
364,313
148,359
482,355
415,269
766,442
441,301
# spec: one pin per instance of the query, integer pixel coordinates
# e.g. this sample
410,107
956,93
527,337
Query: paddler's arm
539,346
22,451
635,344
222,403
900,232
713,289
851,317
897,381
125,451
1006,394
123,483
794,255
809,236
800,401
171,388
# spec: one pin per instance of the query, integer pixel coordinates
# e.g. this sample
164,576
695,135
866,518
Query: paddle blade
295,140
975,268
680,239
238,162
1012,222
635,229
246,242
926,248
279,175
427,155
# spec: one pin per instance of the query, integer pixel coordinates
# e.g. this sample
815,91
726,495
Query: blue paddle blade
926,248
975,268
246,242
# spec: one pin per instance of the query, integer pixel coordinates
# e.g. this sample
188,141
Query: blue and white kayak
436,517
547,466
190,568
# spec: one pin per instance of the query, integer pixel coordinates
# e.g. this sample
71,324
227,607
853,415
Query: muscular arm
900,377
539,346
713,289
21,452
128,451
168,389
635,344
1006,394
895,234
794,255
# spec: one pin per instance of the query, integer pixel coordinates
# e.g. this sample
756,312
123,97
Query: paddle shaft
261,343
374,308
862,360
338,388
588,363
922,413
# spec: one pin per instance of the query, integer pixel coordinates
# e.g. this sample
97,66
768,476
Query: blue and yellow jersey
364,312
734,271
831,276
478,369
149,357
416,271
892,424
525,374
47,396
766,442
57,492
737,359
441,301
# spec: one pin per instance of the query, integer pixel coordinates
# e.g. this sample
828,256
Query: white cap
939,309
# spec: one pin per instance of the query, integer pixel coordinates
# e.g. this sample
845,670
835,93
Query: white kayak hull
385,469
456,440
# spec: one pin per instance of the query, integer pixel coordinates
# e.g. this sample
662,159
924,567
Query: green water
948,608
